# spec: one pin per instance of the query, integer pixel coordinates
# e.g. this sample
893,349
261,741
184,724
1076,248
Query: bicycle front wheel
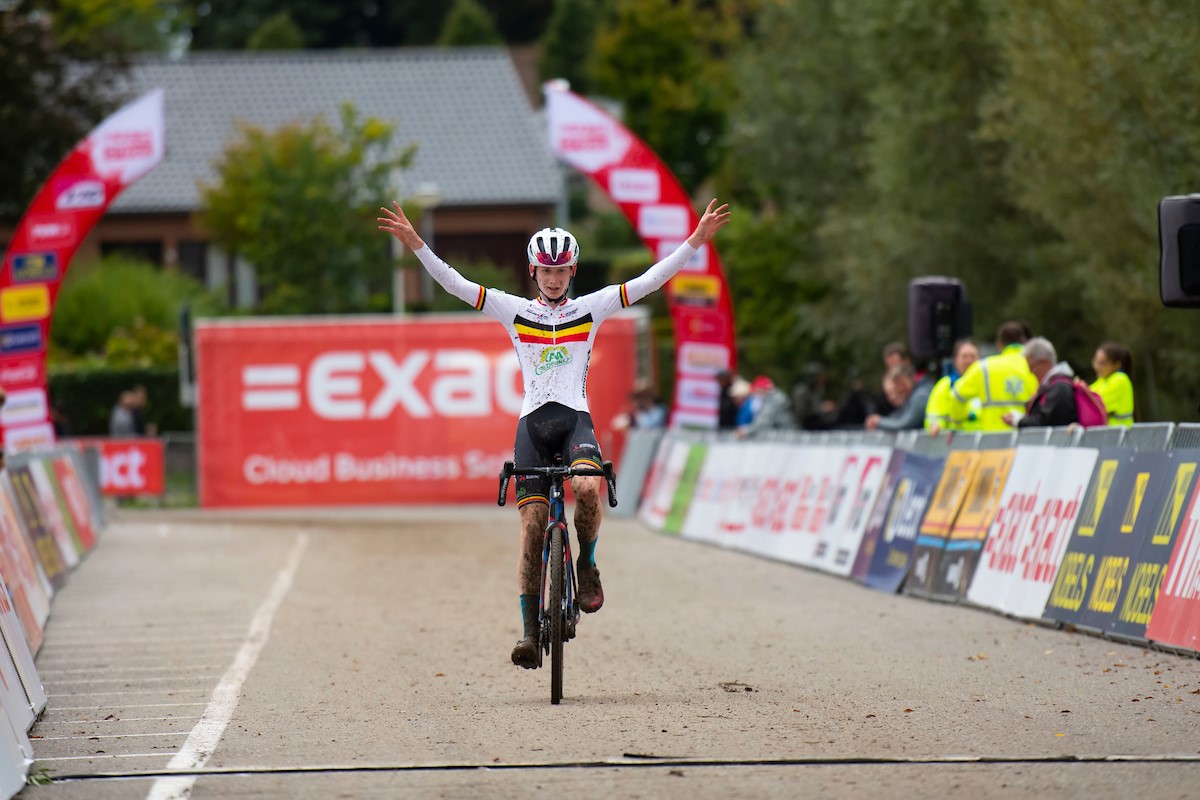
557,608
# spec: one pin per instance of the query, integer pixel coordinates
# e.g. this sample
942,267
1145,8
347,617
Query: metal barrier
997,441
926,445
1033,436
964,440
1186,435
1064,437
1149,437
1102,437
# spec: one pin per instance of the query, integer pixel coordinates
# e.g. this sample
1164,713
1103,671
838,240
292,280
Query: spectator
140,425
1054,401
121,421
942,413
1114,372
1001,383
644,410
856,406
808,393
769,408
894,354
727,405
909,397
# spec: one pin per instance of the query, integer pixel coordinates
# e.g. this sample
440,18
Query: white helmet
553,247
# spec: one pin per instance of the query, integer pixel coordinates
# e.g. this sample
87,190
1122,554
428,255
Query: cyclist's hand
395,223
713,220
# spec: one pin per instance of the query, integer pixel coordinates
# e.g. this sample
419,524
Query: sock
529,615
587,553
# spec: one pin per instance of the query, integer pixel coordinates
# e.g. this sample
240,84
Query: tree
278,32
665,61
568,44
300,204
1095,111
62,63
469,24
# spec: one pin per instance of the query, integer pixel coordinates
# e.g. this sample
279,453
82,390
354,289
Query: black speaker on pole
1179,242
938,316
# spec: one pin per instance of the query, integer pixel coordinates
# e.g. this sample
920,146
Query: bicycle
558,606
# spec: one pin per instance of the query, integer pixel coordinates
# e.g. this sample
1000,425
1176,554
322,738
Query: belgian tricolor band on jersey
539,333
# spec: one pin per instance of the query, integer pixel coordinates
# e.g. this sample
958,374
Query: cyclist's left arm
653,279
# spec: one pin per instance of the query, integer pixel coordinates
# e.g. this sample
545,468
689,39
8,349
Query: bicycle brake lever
610,479
505,474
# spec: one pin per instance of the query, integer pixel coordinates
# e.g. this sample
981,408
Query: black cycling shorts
549,430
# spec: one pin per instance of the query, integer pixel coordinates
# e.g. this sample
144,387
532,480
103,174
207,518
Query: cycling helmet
553,247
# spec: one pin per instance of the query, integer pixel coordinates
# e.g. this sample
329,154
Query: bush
138,302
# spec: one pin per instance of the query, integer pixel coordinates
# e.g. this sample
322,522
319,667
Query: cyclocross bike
558,606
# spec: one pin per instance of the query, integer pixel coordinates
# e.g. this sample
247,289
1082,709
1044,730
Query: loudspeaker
938,316
1179,243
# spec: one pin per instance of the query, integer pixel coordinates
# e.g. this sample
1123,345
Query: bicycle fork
557,519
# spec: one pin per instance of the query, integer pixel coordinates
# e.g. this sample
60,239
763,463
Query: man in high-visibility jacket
1002,383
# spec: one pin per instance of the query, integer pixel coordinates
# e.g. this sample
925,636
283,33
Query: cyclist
553,337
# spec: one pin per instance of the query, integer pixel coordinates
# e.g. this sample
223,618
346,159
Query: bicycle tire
558,599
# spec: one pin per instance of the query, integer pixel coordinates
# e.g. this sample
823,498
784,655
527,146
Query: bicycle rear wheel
556,607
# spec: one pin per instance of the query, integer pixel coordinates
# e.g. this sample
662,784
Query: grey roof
477,136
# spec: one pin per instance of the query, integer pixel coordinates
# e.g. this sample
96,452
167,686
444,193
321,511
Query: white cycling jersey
554,344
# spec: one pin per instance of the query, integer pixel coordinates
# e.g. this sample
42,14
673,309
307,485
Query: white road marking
208,731
113,720
142,705
89,681
102,755
108,736
131,691
94,670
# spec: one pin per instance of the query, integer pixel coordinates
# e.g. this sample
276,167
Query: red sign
114,155
590,139
378,411
129,467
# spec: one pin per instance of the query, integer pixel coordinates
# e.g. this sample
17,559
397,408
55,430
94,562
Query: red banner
346,411
650,196
118,152
129,467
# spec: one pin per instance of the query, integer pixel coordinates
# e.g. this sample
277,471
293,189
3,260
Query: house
481,150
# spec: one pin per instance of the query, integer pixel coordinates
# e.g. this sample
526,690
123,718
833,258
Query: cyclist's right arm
471,293
450,279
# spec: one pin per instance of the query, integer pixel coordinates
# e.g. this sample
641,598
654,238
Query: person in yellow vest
1114,369
942,413
1002,383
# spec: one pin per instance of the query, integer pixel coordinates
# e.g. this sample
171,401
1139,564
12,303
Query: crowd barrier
50,516
1095,530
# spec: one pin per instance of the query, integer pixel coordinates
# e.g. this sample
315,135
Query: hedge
86,397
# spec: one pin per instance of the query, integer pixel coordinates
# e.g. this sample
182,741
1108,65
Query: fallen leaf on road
977,657
908,711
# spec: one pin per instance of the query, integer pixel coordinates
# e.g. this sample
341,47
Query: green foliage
62,61
469,24
568,44
300,204
278,32
125,305
1093,110
86,395
665,60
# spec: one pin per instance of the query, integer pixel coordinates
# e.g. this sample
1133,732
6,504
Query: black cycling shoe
591,593
525,654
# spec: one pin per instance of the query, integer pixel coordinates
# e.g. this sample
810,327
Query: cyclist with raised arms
553,336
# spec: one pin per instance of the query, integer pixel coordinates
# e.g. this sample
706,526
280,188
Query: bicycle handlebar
559,471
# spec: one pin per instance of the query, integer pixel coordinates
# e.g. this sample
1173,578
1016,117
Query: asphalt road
365,653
